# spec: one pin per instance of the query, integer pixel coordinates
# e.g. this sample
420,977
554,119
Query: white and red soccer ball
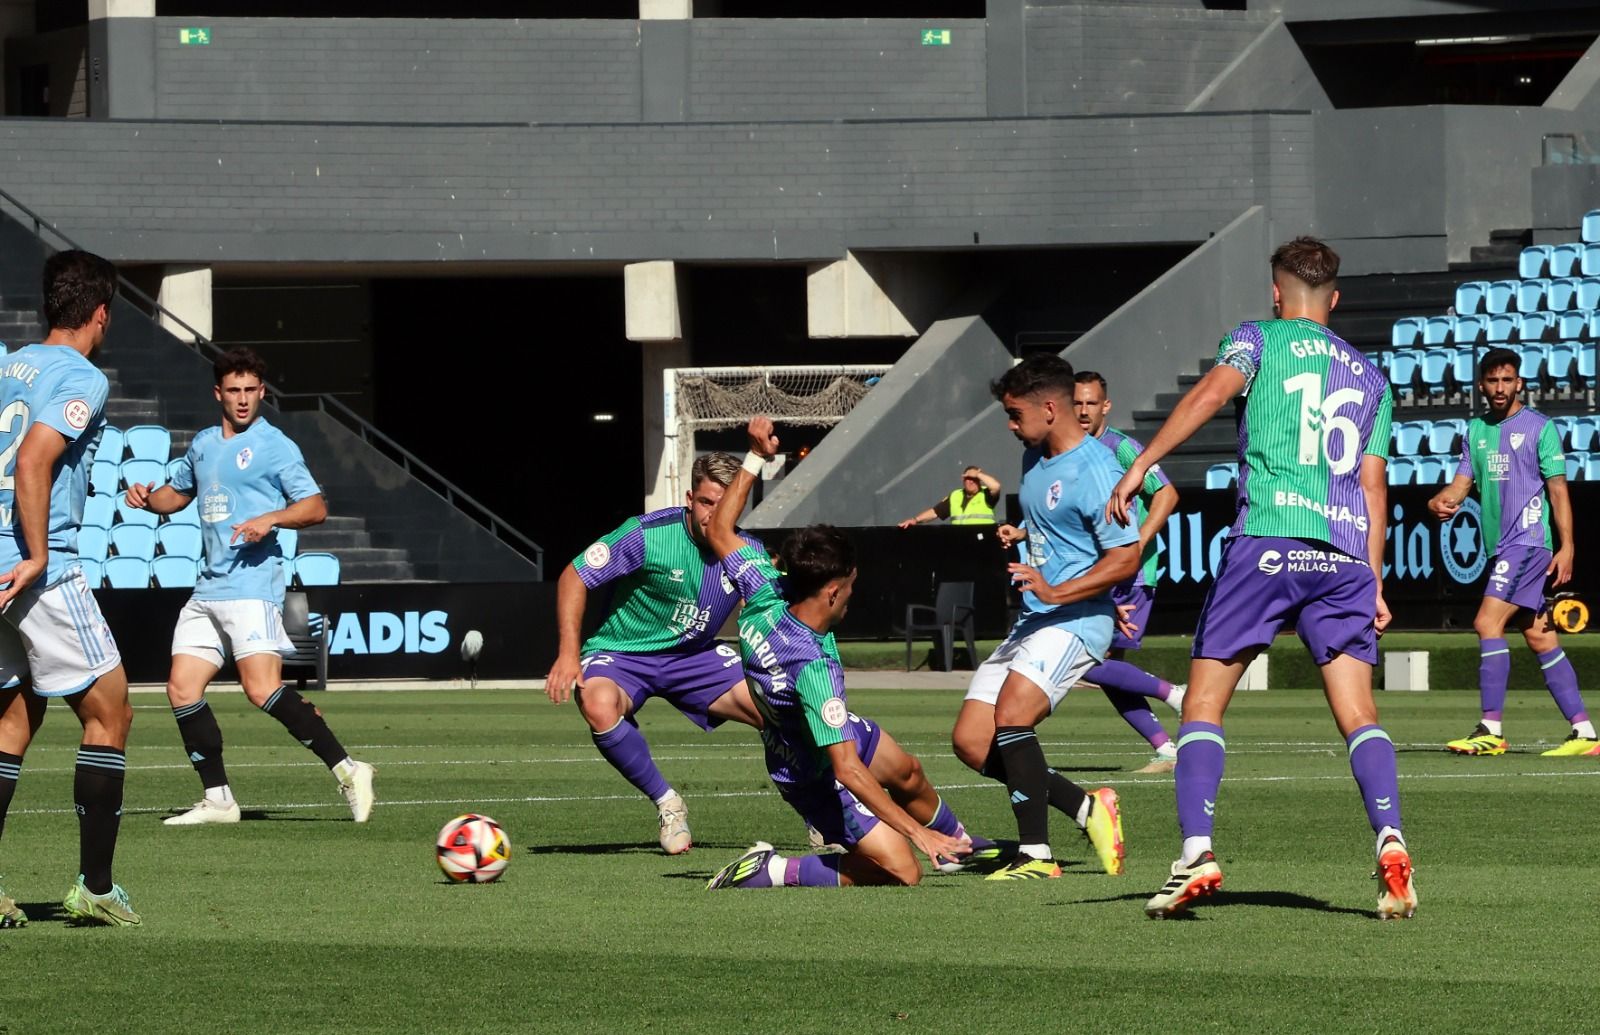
472,849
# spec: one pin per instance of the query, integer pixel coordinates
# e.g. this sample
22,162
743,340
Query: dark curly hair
813,557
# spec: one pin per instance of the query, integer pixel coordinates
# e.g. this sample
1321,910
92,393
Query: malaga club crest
1461,543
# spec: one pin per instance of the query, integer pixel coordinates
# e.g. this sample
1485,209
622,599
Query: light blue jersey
234,480
55,386
1063,500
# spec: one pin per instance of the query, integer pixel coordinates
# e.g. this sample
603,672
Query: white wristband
754,462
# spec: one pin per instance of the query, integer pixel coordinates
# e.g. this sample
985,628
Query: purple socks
1563,684
629,754
1201,751
1372,764
1494,669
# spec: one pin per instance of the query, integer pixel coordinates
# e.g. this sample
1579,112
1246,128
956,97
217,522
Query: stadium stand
127,572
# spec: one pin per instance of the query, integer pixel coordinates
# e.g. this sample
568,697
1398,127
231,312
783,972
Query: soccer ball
472,849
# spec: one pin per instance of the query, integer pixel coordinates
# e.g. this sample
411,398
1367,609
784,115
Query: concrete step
375,571
336,540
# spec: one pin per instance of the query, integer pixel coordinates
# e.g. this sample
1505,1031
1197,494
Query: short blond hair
719,467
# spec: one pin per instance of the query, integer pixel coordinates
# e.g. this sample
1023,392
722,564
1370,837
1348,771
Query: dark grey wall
1271,72
1335,10
266,192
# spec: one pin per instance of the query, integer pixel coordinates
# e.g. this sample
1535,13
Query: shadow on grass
636,847
44,912
1271,899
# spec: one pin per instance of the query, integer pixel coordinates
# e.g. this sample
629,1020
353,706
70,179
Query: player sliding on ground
815,747
1306,547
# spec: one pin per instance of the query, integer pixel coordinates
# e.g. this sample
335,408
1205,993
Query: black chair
951,610
309,662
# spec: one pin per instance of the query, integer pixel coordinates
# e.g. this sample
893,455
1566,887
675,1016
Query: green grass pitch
297,920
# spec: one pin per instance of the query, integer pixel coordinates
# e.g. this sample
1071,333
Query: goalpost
708,398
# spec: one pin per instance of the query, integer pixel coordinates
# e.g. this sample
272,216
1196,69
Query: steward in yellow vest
972,504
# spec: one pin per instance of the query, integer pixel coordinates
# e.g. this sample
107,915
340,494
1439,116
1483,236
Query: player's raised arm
720,531
1220,384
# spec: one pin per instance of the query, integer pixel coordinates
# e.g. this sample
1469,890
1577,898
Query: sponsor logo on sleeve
76,413
597,556
834,713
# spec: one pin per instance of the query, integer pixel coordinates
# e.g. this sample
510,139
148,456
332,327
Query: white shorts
1049,656
57,637
211,630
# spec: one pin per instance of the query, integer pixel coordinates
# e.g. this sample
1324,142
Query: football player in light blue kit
1076,556
250,480
53,642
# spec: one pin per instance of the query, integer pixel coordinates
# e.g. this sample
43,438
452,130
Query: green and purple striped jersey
1313,407
795,676
1510,462
667,592
1125,448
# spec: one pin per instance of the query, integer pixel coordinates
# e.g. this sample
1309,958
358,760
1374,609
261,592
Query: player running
1075,557
251,480
817,749
54,642
1514,455
1306,547
1127,686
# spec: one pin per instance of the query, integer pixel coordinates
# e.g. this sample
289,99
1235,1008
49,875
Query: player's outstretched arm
1115,566
302,513
33,475
165,500
1160,507
720,531
1448,500
1561,517
1201,403
1375,491
850,771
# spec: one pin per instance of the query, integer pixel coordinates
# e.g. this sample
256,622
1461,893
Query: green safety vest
976,512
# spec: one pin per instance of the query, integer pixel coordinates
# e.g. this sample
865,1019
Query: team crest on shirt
1517,438
243,459
727,585
597,556
1052,495
76,413
834,713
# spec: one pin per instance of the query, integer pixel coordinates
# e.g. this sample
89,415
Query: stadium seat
1469,329
1533,261
1407,331
105,477
133,541
1588,293
1444,436
136,515
1590,227
1409,436
93,572
1402,470
1536,326
1573,326
94,542
1531,294
1591,468
1562,294
1564,259
1586,362
1433,470
1436,330
189,515
1562,359
1589,264
99,510
149,442
1533,362
322,569
145,472
1563,427
1501,327
172,466
1501,296
1403,370
127,572
1435,369
1584,432
1222,476
180,539
1465,368
289,541
1471,296
175,571
110,446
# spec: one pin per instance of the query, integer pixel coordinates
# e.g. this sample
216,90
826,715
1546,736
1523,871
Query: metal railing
408,462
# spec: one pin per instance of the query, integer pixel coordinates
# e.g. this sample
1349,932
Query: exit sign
194,37
935,37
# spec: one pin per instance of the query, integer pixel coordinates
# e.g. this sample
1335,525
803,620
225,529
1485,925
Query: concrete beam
665,10
185,292
873,296
653,294
122,59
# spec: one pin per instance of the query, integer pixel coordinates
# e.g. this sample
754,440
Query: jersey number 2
8,456
1319,422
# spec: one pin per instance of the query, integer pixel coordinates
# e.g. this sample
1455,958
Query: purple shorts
1264,581
689,682
1143,599
1517,576
827,805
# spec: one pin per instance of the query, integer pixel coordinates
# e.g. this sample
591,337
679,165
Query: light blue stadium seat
99,510
1563,426
1469,329
1465,368
1436,330
1471,296
1402,470
136,516
1589,293
1407,331
1573,326
1501,327
1590,227
1530,295
1432,470
1436,369
1584,432
127,572
172,466
1533,260
1409,436
1589,264
1575,467
189,515
145,472
93,572
178,538
1564,259
105,477
289,541
322,569
1591,468
110,446
1536,326
94,542
1403,370
1444,436
1586,362
1501,296
149,442
175,571
1221,476
133,541
1562,294
1561,361
1534,357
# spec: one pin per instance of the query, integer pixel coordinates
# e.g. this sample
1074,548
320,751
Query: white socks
221,795
1193,846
